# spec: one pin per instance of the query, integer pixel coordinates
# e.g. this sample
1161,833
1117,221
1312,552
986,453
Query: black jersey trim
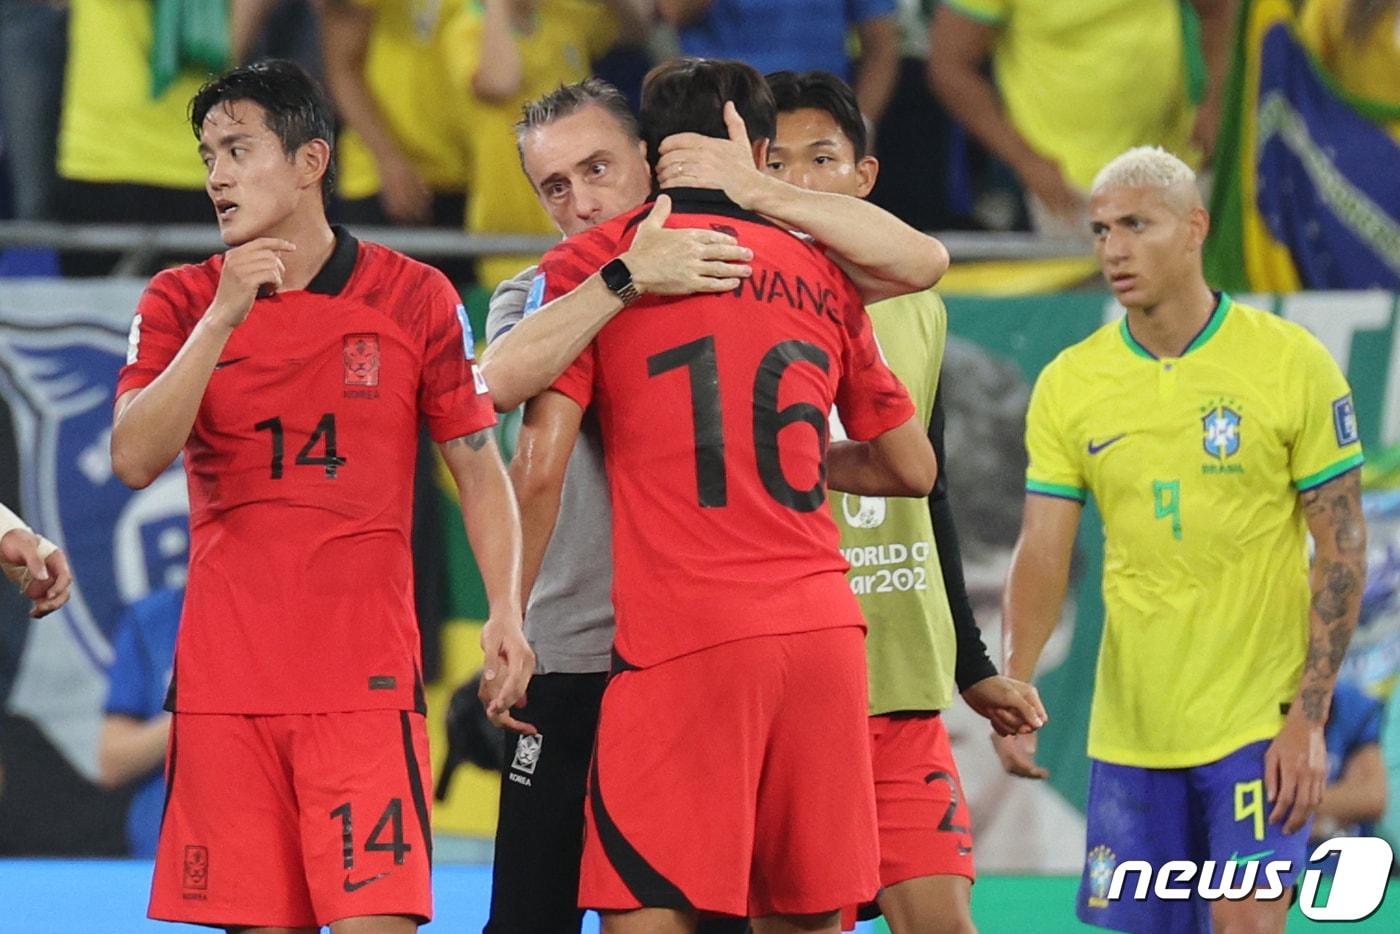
620,664
415,785
335,275
642,879
170,769
705,201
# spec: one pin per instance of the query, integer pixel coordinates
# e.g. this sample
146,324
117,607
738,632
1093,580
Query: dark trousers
539,834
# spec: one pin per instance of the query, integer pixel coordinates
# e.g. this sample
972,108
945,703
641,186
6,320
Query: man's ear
760,152
867,170
313,160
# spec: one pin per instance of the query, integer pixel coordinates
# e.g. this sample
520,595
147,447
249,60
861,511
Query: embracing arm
883,255
523,362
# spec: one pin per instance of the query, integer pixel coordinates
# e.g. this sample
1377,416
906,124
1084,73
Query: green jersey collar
1213,323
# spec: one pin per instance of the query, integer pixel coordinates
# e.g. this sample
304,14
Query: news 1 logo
1358,881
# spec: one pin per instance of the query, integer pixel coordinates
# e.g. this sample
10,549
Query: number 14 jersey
300,468
714,416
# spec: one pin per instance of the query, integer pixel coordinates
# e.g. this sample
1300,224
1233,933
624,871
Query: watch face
618,278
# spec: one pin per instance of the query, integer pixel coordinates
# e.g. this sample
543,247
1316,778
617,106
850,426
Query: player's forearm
131,749
153,424
878,68
1337,578
884,255
500,72
899,462
522,363
1035,591
539,511
491,519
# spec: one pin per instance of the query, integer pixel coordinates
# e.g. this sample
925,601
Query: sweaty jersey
300,468
714,412
911,646
1196,463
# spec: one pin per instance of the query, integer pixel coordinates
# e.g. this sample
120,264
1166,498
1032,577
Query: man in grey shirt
580,148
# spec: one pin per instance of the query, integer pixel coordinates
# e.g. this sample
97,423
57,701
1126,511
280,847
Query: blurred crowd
986,114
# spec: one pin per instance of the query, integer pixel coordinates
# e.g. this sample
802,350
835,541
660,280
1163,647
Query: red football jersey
300,468
714,413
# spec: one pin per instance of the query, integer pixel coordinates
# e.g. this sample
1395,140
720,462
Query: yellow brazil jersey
1084,80
1196,463
568,35
113,130
911,645
404,71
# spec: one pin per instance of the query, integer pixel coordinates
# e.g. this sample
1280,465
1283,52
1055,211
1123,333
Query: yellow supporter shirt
1369,69
568,36
404,69
112,130
911,645
1196,463
1085,80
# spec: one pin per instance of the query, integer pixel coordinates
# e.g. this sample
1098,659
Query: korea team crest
361,355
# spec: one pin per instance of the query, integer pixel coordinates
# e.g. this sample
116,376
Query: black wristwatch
618,278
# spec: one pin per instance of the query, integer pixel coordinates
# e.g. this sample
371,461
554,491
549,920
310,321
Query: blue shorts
1217,811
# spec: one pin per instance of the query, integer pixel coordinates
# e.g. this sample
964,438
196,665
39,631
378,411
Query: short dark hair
569,99
687,95
296,108
821,90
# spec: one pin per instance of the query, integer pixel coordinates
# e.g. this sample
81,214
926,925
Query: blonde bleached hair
1144,167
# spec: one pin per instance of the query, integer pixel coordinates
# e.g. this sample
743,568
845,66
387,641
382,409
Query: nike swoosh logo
964,850
1237,858
229,362
1096,448
356,886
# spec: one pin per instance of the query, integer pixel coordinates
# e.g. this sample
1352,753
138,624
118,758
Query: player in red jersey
293,371
739,644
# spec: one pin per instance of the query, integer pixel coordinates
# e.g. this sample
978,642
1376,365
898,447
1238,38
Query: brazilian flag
1307,187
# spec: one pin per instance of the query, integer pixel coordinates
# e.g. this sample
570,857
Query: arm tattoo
1338,576
476,440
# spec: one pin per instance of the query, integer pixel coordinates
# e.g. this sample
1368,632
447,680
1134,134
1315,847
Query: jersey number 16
698,356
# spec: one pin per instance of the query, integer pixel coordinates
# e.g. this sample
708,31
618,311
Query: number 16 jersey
714,418
300,467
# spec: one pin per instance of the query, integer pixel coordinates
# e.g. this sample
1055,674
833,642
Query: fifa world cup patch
1344,421
468,339
361,355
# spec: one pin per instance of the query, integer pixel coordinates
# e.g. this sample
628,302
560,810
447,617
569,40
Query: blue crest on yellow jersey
1222,432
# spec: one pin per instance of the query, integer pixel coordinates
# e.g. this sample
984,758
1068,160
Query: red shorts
735,780
294,820
925,828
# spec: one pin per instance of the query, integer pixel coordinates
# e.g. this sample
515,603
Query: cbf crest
1221,434
1101,863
